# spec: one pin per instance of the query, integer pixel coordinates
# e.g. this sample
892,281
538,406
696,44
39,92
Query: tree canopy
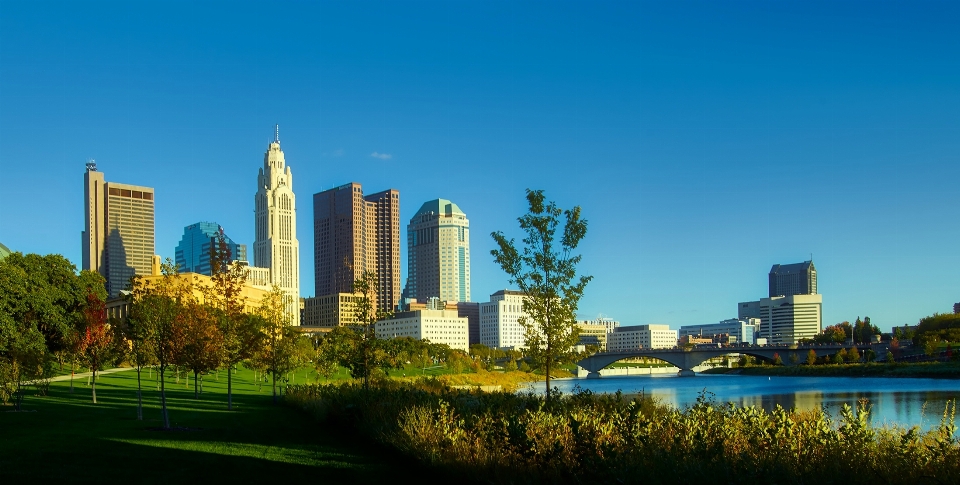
546,273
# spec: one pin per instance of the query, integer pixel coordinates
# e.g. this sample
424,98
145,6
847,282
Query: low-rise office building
738,330
593,334
635,337
437,326
330,311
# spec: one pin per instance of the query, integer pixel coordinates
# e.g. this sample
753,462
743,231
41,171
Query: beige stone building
196,284
634,337
354,234
276,250
330,311
118,239
593,334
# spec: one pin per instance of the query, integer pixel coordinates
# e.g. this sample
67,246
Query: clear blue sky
704,141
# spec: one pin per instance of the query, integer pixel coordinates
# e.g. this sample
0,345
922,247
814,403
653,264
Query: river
895,401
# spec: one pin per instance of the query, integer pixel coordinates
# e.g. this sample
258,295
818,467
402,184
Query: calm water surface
895,401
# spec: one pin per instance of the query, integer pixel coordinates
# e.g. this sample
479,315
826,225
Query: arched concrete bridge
686,360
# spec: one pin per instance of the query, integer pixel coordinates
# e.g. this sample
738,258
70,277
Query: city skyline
692,135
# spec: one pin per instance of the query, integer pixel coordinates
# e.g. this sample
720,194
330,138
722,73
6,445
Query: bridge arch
687,359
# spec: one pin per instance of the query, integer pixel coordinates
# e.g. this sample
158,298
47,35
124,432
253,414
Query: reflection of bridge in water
686,360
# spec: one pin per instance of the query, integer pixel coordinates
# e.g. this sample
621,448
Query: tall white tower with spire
276,247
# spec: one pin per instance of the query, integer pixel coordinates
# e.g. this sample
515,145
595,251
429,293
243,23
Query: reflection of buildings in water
666,395
808,400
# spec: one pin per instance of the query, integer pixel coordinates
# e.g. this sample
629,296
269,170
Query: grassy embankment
63,437
942,370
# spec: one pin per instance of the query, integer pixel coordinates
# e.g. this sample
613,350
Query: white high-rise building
499,320
276,248
438,253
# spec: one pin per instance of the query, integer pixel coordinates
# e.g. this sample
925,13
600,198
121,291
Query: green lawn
64,437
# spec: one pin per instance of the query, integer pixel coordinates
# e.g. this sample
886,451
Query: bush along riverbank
594,438
939,370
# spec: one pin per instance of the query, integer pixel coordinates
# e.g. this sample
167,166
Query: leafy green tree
281,351
776,359
139,352
811,357
457,362
890,358
155,309
839,357
422,359
931,346
546,273
42,299
794,358
367,353
834,334
852,355
331,349
240,335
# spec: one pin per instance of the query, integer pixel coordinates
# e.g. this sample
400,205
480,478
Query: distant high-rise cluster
118,237
354,234
193,252
438,253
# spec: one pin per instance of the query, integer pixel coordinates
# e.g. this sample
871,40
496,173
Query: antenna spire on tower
276,134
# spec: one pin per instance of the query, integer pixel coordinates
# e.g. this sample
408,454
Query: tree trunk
94,388
163,401
274,374
195,394
548,371
73,367
229,389
139,397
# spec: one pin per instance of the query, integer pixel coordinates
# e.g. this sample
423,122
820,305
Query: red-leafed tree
202,343
95,344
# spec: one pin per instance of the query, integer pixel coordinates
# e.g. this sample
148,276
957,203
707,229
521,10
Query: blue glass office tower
193,252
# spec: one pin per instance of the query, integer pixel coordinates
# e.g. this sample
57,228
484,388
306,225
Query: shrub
598,438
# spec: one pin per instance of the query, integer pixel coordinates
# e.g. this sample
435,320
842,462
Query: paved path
84,375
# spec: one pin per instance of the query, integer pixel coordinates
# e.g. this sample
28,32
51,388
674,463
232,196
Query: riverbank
936,370
587,437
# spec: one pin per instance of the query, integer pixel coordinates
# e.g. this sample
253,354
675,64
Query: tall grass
594,438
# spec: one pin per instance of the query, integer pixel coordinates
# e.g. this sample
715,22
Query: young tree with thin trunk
279,353
157,308
97,341
546,273
139,353
202,344
367,353
242,338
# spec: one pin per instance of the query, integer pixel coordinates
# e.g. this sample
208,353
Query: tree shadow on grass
71,440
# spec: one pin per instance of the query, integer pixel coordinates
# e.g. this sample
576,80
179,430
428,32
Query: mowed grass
64,437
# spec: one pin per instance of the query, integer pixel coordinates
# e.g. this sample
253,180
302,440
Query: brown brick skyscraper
354,233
